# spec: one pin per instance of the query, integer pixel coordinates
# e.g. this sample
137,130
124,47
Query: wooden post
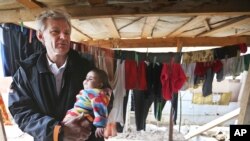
170,136
244,117
171,124
2,131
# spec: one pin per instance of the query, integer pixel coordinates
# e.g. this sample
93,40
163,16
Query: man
45,85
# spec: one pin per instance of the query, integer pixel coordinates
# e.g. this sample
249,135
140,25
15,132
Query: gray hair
51,14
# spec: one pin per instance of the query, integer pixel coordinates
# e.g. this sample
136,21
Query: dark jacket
34,102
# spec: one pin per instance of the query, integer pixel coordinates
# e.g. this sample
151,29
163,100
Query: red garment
135,76
202,67
243,47
217,66
130,74
172,79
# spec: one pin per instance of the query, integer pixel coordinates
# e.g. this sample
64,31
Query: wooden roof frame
100,9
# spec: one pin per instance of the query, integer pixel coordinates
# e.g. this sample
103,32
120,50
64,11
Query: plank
213,123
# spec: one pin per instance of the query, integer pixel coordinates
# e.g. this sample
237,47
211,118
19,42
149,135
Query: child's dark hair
104,79
102,75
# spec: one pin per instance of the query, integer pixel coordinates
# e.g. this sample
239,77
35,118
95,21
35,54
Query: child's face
91,81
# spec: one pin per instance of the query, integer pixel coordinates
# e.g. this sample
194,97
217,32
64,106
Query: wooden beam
177,8
78,36
187,26
109,23
14,16
213,123
97,2
206,24
167,8
172,42
233,23
244,117
30,4
131,22
244,33
148,27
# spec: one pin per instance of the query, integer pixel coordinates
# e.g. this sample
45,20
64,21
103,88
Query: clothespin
21,24
30,35
122,56
136,58
147,55
154,61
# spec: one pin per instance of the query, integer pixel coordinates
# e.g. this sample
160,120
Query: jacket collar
42,62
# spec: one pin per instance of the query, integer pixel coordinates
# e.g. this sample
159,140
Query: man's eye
54,32
67,33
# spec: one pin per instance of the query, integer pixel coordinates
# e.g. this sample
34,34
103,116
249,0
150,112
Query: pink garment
172,79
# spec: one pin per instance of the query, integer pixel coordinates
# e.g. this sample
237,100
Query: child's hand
99,132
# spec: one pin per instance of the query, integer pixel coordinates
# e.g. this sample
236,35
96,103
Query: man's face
56,37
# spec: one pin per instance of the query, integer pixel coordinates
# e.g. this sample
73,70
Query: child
93,101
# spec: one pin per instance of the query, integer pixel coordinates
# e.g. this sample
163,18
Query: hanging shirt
172,79
226,52
233,66
246,61
189,71
198,56
119,91
135,75
204,73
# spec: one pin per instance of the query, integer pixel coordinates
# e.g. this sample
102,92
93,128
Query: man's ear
39,36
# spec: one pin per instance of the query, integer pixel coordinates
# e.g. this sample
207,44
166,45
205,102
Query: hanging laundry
172,79
155,88
16,46
135,75
243,47
204,74
246,61
189,72
226,52
119,91
198,56
233,66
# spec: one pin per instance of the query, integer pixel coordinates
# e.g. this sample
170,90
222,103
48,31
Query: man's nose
63,35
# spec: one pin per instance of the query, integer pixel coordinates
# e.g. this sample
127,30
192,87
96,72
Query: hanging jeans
143,101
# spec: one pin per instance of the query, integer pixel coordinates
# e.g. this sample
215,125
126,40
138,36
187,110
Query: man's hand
76,129
99,132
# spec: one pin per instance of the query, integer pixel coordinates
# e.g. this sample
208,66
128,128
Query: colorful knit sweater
92,102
